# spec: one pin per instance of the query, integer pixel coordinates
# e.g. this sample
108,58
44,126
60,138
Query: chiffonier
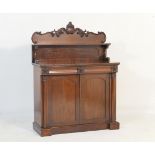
74,82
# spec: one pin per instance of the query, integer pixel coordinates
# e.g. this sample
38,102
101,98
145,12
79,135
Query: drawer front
78,70
97,69
71,70
59,71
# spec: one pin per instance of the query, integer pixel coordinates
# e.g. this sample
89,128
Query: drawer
97,69
78,70
59,70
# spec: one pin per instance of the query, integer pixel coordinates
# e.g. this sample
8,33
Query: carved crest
68,35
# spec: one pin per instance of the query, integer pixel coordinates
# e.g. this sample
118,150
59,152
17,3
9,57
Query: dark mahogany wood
94,98
74,82
70,36
62,100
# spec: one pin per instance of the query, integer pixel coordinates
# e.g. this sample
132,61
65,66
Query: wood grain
74,82
69,35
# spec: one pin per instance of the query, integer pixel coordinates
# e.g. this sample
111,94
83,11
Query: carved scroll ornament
68,35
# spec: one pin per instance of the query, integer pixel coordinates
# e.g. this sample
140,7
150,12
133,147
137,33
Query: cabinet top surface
77,65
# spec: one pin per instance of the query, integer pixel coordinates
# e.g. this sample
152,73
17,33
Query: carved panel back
68,54
69,35
69,45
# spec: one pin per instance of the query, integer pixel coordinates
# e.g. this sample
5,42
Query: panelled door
94,98
61,100
76,99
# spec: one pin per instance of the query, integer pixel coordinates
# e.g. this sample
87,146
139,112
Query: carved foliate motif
38,37
115,69
45,70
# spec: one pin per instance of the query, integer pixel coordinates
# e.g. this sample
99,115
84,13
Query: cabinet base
114,125
74,128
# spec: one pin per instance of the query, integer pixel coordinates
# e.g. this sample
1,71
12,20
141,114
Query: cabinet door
61,99
94,98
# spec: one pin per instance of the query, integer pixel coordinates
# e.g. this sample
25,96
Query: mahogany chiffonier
74,82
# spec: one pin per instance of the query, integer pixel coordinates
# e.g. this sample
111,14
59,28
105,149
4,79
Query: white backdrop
132,37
